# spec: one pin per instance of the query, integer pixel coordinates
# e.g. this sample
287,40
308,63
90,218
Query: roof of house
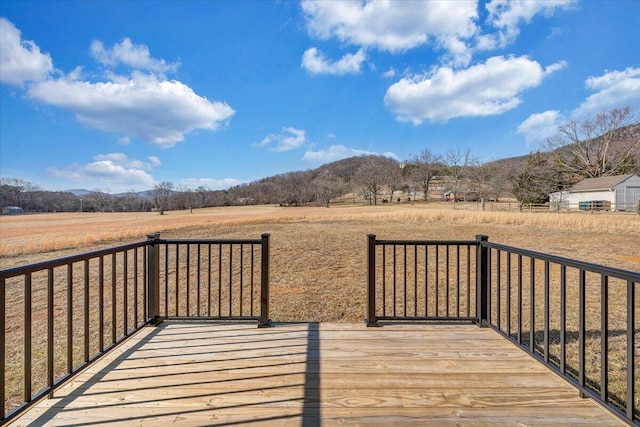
601,183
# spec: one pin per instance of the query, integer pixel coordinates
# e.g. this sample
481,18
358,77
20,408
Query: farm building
615,193
12,210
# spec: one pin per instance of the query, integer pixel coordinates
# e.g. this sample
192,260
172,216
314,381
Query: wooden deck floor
317,374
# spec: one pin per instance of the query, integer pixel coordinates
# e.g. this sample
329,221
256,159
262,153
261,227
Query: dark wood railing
61,315
577,318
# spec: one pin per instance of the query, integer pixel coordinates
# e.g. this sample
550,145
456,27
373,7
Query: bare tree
598,147
481,180
456,163
327,186
371,176
162,194
424,168
534,182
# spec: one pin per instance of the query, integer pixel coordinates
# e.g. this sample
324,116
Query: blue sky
119,96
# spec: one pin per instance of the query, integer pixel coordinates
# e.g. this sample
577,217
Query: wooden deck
201,374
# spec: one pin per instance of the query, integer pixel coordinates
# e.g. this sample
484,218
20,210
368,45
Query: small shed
616,193
12,210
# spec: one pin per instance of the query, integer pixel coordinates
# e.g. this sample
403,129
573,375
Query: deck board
317,374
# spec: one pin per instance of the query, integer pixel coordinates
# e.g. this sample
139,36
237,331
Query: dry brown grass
318,255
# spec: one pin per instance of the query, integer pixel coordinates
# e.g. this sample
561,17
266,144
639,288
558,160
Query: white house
616,193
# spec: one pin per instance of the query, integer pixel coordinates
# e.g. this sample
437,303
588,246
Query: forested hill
578,151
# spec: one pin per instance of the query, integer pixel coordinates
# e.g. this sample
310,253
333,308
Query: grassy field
318,255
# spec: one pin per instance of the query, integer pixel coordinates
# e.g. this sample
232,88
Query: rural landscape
317,222
320,213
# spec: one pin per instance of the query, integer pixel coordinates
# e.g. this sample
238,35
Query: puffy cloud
489,88
115,171
392,26
131,55
337,152
20,61
612,89
158,111
538,127
507,15
209,183
315,62
289,139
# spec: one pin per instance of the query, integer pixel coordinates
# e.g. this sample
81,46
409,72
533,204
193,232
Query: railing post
264,321
371,320
482,280
153,278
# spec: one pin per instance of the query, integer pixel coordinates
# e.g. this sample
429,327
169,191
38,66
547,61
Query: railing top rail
428,242
210,241
582,265
30,268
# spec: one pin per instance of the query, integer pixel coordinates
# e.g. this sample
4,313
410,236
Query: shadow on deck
197,373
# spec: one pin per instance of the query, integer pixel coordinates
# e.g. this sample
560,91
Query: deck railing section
421,280
61,315
577,318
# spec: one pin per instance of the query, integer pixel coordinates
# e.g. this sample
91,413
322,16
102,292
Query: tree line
608,144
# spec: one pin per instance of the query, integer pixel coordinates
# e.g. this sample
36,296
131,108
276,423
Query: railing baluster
241,274
447,274
177,285
230,280
27,337
219,279
468,280
498,287
209,280
426,280
532,305
604,337
252,276
546,311
50,331
384,278
437,285
86,310
188,276
135,287
395,303
458,280
198,282
69,318
519,299
415,280
405,279
3,352
631,315
581,329
101,303
563,319
113,298
508,294
125,292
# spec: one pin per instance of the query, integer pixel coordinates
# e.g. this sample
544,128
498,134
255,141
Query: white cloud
115,171
209,183
538,127
131,55
20,60
315,62
289,139
485,89
389,74
392,26
612,89
337,152
142,104
507,15
158,111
